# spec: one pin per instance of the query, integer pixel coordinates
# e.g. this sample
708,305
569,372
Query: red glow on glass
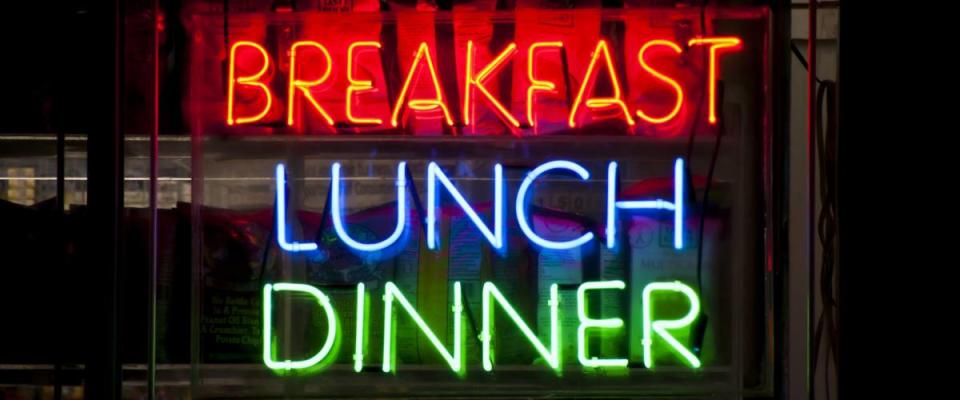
423,53
336,62
669,81
358,86
476,82
600,102
249,80
305,86
538,85
716,44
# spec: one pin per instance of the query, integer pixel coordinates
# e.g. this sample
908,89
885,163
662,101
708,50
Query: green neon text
661,328
551,355
654,330
322,299
589,323
392,295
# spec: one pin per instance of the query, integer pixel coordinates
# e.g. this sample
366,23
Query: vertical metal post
61,159
196,248
105,202
780,180
152,236
811,187
843,278
61,254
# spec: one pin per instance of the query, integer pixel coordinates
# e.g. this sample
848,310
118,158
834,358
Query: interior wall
827,48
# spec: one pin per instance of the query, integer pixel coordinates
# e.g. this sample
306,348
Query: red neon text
358,86
600,102
716,44
304,86
538,85
669,81
476,82
249,80
423,53
311,65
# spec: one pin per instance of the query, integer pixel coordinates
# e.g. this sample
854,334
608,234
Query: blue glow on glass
611,204
657,204
678,202
337,210
281,213
435,173
522,209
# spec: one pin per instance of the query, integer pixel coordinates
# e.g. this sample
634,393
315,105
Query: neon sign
250,97
492,297
658,76
654,329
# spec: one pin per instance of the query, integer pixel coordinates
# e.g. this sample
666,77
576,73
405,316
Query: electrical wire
826,220
268,244
826,228
706,190
696,119
689,155
803,61
691,189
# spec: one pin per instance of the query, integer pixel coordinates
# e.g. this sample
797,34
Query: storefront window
548,156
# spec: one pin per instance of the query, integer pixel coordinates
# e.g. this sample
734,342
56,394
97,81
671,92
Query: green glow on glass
268,343
392,292
361,320
590,323
552,355
660,327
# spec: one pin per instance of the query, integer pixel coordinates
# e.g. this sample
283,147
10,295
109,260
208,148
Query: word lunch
494,233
